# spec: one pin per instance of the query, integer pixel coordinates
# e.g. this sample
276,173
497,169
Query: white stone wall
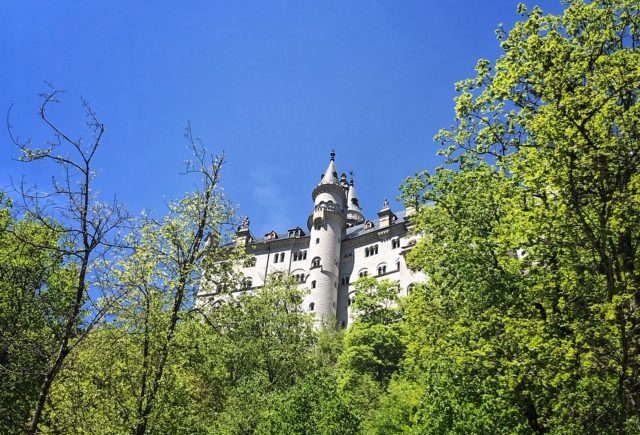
331,297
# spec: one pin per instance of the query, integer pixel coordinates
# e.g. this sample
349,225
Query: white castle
340,247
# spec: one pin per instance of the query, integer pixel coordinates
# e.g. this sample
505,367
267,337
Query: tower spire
331,174
354,211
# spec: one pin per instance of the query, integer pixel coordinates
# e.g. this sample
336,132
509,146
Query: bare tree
87,228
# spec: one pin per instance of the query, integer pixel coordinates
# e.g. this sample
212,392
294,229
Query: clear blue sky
276,84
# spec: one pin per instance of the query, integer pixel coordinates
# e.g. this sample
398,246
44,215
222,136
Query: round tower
327,226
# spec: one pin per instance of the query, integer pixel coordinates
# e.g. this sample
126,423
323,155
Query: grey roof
360,230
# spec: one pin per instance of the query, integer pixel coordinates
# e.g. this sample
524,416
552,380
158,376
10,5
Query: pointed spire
352,198
354,212
331,174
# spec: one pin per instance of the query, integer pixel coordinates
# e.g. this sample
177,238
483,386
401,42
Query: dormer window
271,236
368,225
296,232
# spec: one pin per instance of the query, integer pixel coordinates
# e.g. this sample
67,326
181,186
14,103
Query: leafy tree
373,346
267,343
530,321
34,294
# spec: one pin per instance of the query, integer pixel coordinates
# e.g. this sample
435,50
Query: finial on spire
351,182
333,154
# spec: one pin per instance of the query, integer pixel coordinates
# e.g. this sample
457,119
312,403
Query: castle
341,245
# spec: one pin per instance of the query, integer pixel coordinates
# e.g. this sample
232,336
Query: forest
529,322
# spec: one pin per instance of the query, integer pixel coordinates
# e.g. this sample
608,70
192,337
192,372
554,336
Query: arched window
366,252
382,269
312,306
315,262
313,284
247,283
363,273
281,257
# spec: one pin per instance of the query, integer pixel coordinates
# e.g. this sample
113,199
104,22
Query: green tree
530,320
34,294
373,345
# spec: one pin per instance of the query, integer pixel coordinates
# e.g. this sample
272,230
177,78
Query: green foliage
35,296
529,322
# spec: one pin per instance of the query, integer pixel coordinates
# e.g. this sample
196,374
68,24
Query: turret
354,212
243,236
327,225
386,215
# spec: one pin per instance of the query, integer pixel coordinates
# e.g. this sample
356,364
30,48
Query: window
275,258
247,283
317,241
253,261
300,277
371,250
344,280
312,306
363,273
313,284
299,255
395,243
315,262
382,270
398,265
348,256
304,255
281,257
317,226
410,288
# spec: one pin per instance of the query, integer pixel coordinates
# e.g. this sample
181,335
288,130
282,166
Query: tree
530,320
266,347
373,345
83,227
34,293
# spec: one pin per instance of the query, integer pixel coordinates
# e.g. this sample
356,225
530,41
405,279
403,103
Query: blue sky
275,84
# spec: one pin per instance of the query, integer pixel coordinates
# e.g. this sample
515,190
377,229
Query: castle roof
331,174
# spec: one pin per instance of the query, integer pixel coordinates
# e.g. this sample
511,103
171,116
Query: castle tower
354,212
327,226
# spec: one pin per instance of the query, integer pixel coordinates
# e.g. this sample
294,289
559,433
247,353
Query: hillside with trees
529,322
